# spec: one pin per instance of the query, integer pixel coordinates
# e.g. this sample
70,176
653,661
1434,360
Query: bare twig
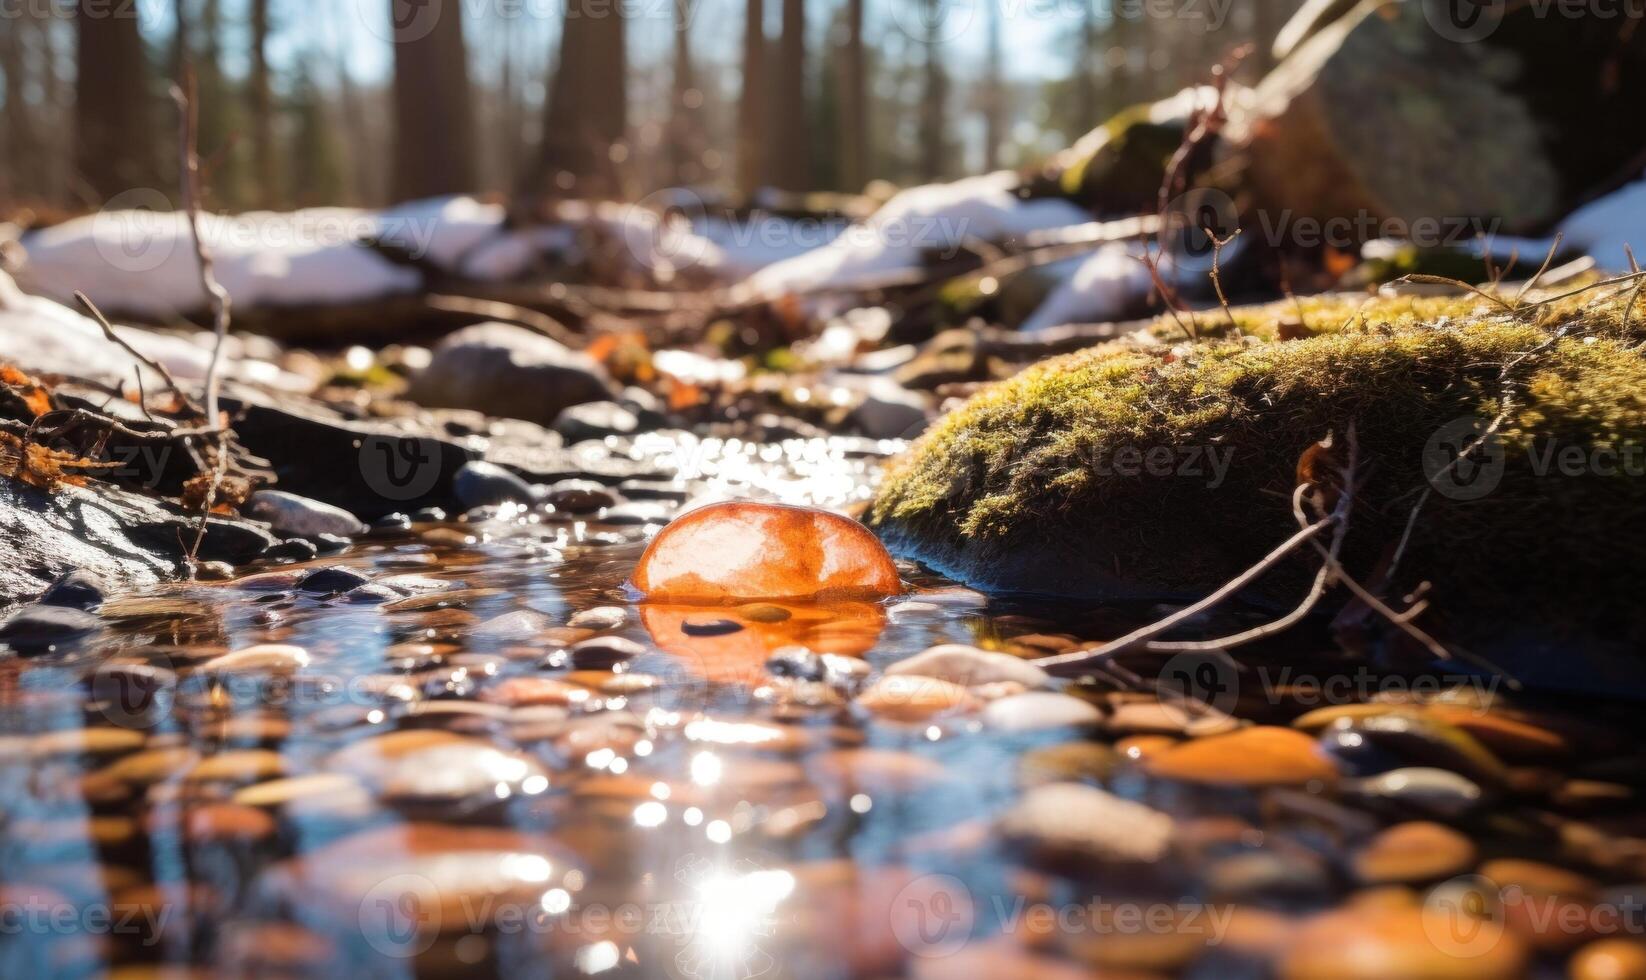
1526,286
523,316
1217,272
217,297
142,359
1081,659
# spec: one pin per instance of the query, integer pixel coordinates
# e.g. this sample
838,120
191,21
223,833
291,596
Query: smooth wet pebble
263,658
1412,853
1040,710
76,589
479,484
602,653
1260,756
1084,822
579,496
1437,792
969,666
1376,943
37,628
1367,746
599,618
910,698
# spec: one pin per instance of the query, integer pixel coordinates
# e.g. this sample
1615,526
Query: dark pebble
75,589
331,581
330,544
392,522
428,515
579,496
636,514
798,663
292,550
652,490
710,627
480,483
595,420
601,653
34,629
371,593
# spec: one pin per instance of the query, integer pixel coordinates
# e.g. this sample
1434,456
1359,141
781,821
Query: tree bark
685,117
751,105
587,115
854,103
994,95
262,109
791,133
933,155
433,117
114,148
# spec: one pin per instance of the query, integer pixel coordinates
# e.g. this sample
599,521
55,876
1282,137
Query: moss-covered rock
1159,471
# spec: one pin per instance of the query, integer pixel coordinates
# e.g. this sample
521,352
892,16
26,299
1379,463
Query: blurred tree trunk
685,117
994,94
751,114
934,94
433,121
587,113
22,153
1086,78
1268,17
791,134
854,103
262,109
114,148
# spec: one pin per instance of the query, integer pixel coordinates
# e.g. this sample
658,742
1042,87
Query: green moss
1041,483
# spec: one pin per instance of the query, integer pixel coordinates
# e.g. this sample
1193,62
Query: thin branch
523,316
1217,272
142,359
217,297
1526,286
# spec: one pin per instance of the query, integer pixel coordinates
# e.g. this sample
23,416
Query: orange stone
1374,944
740,550
1609,959
1262,756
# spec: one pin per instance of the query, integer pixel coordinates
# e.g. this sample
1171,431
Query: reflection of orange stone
731,644
741,551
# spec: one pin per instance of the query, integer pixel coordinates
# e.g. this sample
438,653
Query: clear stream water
655,821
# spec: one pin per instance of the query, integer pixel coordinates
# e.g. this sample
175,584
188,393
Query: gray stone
508,371
481,484
77,589
1040,710
292,515
119,537
39,628
596,420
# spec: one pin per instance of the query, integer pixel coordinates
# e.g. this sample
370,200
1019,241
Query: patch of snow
141,263
934,217
45,337
1107,285
1600,228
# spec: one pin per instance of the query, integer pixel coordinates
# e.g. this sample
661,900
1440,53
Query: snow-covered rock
141,263
1600,228
936,217
45,337
1110,284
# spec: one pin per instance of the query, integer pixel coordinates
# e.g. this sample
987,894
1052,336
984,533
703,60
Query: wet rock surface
398,754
